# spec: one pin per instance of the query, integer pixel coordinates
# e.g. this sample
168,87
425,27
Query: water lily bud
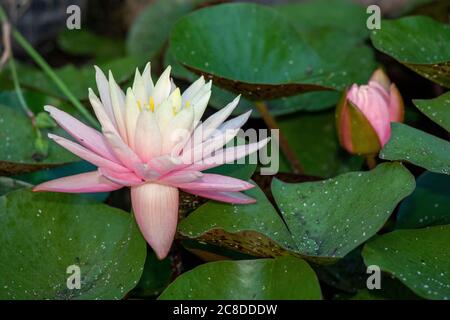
364,114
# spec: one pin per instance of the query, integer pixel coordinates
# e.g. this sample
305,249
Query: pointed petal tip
49,108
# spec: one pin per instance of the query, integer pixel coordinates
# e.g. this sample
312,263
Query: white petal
147,78
177,129
100,113
204,130
200,93
118,105
162,87
235,123
139,89
164,114
175,100
103,89
189,93
131,116
204,149
200,106
148,138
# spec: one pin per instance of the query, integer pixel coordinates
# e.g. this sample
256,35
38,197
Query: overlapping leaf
420,43
332,217
42,234
281,278
416,258
418,147
251,56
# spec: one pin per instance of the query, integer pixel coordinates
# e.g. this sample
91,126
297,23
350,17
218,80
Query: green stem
18,89
289,153
49,71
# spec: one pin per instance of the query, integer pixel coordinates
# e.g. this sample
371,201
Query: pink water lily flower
365,113
152,140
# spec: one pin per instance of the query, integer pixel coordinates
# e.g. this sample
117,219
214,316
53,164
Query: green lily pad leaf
428,205
417,147
155,277
332,217
313,138
416,257
252,57
9,184
310,101
420,43
341,15
391,289
78,79
17,147
43,234
437,109
150,31
87,43
255,229
263,279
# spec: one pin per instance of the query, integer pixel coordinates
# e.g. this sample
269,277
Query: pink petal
124,153
345,128
103,90
231,197
85,135
373,102
217,182
179,177
228,155
203,150
164,164
204,130
80,183
156,210
122,178
86,154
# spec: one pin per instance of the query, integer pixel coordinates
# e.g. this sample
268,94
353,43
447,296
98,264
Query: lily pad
284,278
332,217
255,229
313,138
17,149
311,101
437,109
341,15
251,57
418,147
420,43
428,205
45,233
415,257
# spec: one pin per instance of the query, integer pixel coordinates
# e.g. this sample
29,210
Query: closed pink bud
365,113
